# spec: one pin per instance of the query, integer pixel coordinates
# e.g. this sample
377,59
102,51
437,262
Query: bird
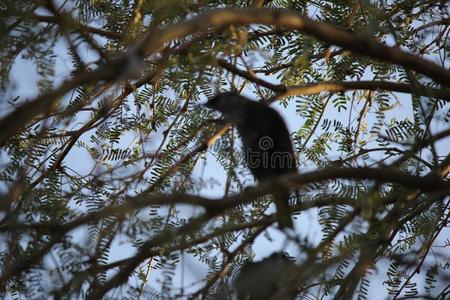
270,278
268,149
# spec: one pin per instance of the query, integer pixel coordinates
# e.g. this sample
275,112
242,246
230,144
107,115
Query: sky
190,272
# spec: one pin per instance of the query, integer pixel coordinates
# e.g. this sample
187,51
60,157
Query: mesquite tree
116,182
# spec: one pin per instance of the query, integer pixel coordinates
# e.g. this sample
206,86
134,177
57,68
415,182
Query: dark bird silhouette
267,144
269,278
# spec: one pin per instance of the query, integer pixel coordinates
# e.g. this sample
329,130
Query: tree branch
155,41
342,86
294,21
336,86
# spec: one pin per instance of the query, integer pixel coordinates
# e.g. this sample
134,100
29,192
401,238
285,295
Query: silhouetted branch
155,41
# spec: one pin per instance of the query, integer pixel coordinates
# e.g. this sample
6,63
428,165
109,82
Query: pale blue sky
24,84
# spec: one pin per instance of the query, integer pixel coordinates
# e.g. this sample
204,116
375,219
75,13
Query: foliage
102,187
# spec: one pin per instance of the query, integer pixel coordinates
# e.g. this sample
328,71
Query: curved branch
430,182
294,21
19,118
336,86
445,21
155,41
292,181
371,85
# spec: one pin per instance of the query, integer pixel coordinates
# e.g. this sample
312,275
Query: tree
109,151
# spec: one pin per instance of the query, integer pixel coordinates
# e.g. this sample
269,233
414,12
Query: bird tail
283,210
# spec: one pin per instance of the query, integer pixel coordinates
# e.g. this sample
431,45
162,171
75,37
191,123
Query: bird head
228,103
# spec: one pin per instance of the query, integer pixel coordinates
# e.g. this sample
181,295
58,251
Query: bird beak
209,102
